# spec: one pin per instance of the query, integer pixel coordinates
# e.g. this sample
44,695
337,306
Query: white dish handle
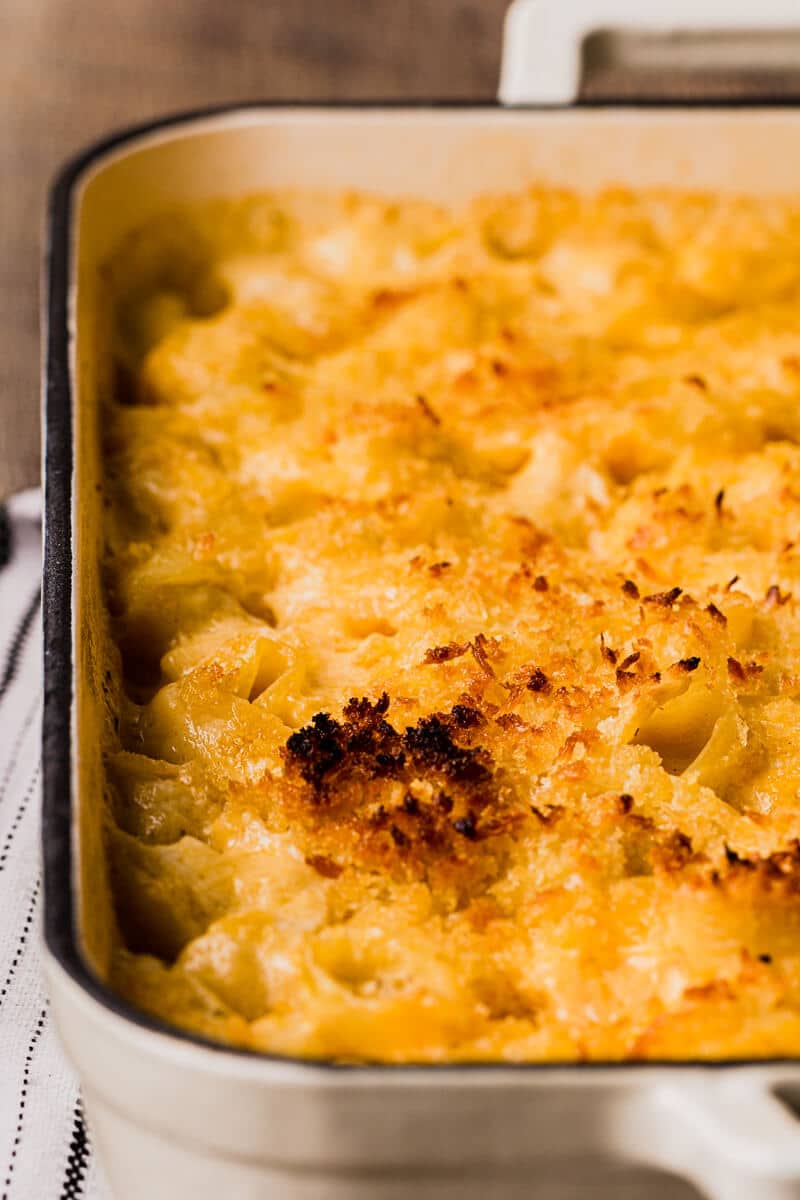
543,39
726,1131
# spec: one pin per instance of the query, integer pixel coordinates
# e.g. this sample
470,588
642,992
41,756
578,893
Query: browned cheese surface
453,566
71,72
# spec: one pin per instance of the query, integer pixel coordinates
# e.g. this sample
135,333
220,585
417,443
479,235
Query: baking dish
171,1115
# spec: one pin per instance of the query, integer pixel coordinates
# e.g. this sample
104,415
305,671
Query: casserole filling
451,564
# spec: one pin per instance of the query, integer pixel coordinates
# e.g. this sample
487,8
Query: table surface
70,72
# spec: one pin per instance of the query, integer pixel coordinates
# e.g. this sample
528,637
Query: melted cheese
452,565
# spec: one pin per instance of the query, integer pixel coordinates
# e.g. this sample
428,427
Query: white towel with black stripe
44,1151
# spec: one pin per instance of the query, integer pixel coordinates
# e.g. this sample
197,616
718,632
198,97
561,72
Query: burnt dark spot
626,802
736,860
537,681
716,614
440,654
689,664
480,653
736,670
765,958
510,720
350,770
316,748
540,584
389,764
607,652
630,589
364,710
364,740
665,599
466,717
324,866
630,660
718,499
431,746
373,739
466,827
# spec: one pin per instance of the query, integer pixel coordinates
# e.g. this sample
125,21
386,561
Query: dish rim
60,932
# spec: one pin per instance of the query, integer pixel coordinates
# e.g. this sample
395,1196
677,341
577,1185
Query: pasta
452,568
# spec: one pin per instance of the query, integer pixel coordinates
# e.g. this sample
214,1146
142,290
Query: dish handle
728,1132
544,41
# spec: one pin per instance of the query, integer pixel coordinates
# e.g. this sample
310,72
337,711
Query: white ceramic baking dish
172,1116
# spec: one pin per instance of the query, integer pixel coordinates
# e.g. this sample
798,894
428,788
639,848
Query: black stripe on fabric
6,542
78,1161
23,1101
23,940
20,813
14,756
18,645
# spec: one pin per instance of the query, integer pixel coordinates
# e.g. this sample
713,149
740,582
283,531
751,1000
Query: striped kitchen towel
44,1150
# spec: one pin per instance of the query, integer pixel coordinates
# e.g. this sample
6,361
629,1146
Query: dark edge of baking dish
59,927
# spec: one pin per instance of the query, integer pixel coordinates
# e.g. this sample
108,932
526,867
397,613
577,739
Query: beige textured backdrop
71,70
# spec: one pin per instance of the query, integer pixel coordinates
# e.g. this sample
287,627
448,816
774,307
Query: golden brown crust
453,561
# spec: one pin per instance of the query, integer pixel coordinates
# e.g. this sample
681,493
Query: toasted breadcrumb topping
452,569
